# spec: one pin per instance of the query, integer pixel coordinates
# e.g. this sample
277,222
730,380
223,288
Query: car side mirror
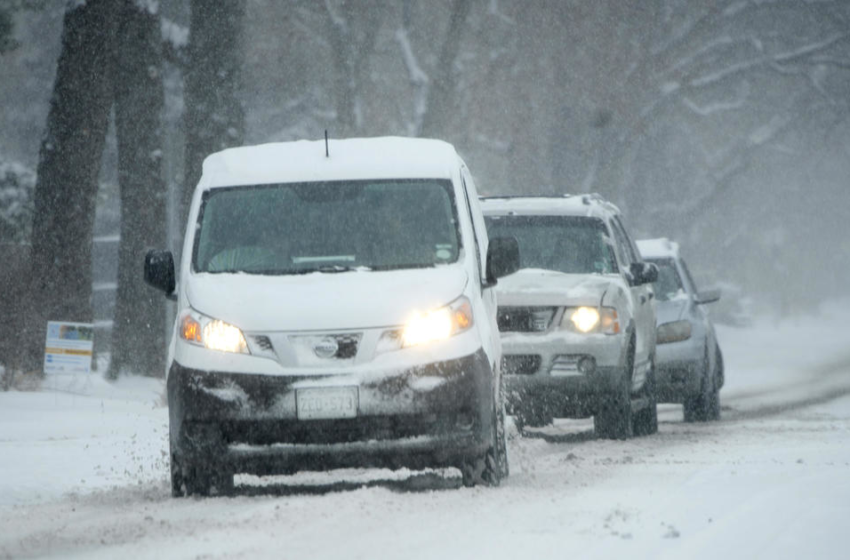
643,273
159,271
707,296
502,258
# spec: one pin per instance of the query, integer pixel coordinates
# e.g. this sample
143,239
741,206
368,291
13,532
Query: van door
490,332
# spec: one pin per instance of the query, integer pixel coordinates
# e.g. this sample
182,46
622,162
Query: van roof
591,205
350,159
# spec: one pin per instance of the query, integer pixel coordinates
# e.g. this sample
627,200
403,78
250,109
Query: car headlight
673,332
591,320
212,333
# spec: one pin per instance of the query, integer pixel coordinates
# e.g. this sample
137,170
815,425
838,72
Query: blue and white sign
69,347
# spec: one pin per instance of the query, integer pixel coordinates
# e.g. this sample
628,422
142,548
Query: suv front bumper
552,384
437,415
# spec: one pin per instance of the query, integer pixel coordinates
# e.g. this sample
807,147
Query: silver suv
578,320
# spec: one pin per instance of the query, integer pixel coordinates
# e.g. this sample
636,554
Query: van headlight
210,333
437,324
591,320
428,327
673,332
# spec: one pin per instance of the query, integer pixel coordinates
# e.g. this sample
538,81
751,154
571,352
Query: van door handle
642,299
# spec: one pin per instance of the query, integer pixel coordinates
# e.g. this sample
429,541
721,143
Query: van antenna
327,153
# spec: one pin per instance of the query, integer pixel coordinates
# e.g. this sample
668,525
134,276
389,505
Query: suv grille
520,364
525,319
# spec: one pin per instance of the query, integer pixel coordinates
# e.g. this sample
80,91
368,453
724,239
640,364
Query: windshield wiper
400,266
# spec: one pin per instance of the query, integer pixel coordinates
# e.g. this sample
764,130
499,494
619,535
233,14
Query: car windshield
327,227
576,245
669,283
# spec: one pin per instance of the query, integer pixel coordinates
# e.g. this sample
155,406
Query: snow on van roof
350,159
591,205
658,248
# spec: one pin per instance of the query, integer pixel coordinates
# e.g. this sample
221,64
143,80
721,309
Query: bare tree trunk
215,118
69,163
138,335
440,102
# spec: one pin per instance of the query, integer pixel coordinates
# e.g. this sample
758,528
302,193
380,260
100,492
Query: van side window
478,259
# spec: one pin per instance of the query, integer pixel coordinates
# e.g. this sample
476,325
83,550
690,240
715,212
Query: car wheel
646,420
705,406
613,417
721,370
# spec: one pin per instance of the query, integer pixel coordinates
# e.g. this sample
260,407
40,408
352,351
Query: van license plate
324,403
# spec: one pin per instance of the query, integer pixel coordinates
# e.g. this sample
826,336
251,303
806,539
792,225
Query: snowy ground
83,473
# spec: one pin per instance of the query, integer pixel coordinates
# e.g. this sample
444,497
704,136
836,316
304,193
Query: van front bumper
436,415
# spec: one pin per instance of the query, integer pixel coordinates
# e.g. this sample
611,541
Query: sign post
69,347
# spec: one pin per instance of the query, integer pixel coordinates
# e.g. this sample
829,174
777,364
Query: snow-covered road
83,474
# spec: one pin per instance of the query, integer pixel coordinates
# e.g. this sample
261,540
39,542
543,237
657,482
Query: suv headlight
673,332
210,333
587,320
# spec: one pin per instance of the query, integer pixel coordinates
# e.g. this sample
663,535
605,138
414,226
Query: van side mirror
643,273
159,271
502,258
707,296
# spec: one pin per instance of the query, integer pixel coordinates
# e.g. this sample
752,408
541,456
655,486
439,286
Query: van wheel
613,417
193,479
646,420
705,406
490,468
194,468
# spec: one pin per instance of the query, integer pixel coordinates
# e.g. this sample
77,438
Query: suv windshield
669,284
327,227
576,245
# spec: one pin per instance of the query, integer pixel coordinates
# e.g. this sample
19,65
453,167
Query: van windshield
336,226
575,245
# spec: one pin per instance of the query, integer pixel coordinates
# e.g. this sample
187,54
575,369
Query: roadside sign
69,347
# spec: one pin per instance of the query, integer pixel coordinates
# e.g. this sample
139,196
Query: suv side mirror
643,273
159,271
502,258
708,296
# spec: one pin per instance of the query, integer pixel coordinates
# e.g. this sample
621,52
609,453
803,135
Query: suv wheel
613,417
646,420
705,406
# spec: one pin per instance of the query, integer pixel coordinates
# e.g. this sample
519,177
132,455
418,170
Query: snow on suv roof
566,205
658,248
350,159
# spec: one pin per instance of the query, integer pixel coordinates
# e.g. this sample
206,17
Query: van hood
323,301
537,287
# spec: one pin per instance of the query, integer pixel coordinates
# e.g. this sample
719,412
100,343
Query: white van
335,309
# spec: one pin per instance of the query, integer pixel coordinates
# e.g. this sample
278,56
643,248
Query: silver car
688,358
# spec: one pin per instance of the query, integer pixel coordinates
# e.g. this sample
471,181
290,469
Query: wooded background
722,124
